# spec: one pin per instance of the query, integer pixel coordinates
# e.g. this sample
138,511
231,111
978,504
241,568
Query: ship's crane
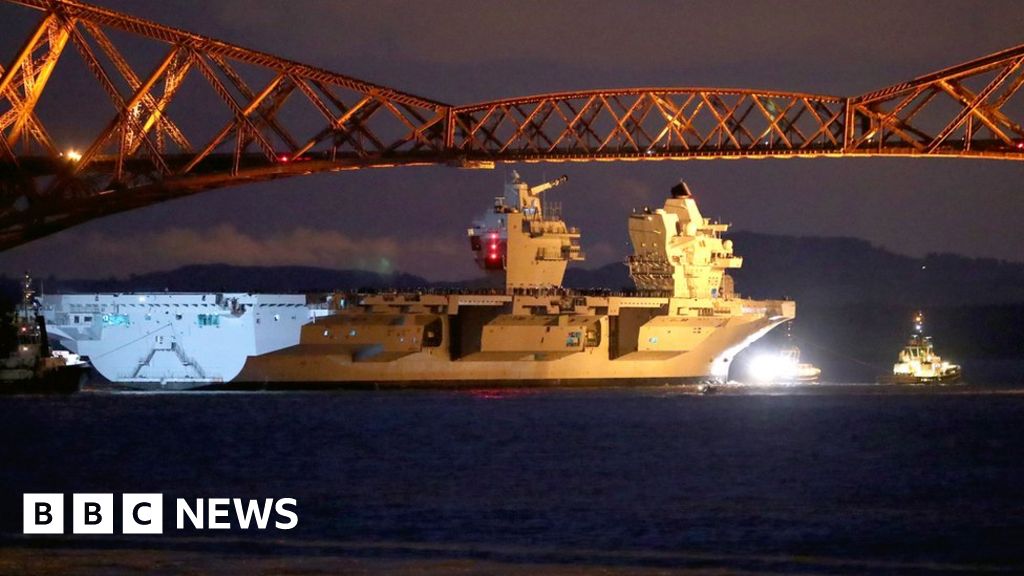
541,188
529,198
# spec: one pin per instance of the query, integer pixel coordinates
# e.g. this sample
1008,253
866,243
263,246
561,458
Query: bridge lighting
829,126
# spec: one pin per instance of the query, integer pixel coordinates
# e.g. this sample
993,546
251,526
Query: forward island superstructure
684,322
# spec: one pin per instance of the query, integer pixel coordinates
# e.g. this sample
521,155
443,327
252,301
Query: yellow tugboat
919,364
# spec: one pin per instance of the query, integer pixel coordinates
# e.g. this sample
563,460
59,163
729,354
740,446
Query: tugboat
32,367
784,367
919,364
798,372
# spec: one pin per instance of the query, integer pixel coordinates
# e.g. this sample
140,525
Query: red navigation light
493,256
1020,145
494,235
282,158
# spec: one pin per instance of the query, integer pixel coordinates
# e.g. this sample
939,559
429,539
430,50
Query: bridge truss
279,118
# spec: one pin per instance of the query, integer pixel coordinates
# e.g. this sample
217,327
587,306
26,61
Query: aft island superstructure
684,322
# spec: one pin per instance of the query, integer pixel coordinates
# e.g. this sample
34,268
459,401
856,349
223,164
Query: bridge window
116,320
208,319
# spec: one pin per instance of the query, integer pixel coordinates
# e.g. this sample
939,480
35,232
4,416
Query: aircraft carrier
684,322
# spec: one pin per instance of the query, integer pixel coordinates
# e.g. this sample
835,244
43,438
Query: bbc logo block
93,514
142,514
43,514
139,513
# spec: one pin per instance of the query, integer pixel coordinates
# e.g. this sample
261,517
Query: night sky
414,219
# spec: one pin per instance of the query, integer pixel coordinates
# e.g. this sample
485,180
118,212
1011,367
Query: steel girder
281,118
144,153
974,109
649,124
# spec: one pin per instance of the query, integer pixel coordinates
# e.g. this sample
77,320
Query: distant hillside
840,271
837,271
222,277
813,271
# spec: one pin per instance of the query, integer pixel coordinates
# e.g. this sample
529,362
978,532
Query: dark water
850,479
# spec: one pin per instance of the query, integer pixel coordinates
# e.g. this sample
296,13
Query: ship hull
169,342
308,364
173,340
482,385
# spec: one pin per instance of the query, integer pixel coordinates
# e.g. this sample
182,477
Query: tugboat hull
951,378
64,380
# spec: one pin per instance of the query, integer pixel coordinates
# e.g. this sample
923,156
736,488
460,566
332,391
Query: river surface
849,479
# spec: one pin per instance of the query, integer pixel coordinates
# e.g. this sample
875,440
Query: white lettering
218,509
143,513
196,517
253,510
286,513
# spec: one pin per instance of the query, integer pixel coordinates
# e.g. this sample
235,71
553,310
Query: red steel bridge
282,118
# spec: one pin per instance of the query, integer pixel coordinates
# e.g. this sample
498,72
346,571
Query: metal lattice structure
280,118
966,110
649,123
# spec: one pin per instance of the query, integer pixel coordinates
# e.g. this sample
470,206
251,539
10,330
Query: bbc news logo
144,514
